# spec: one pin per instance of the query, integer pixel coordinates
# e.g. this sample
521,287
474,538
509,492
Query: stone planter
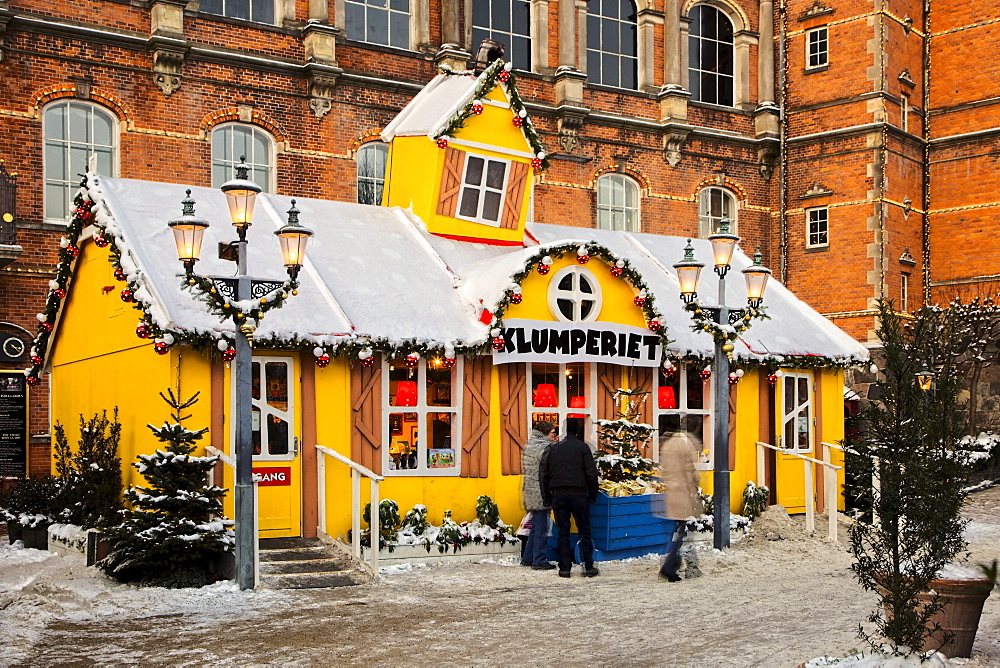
963,605
418,554
15,532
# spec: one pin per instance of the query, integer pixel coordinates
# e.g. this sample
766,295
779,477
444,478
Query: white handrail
230,461
829,480
357,470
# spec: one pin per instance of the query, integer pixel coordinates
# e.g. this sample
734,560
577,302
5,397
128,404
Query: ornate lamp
925,377
189,231
293,238
756,276
241,194
723,245
688,273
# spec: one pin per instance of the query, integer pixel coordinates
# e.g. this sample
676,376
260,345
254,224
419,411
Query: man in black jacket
568,476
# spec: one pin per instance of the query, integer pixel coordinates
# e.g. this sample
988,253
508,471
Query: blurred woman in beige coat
678,470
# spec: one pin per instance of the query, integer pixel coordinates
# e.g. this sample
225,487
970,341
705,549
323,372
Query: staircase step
307,563
303,566
295,554
311,580
289,543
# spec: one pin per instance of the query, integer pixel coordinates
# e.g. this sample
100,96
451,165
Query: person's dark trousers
579,508
672,562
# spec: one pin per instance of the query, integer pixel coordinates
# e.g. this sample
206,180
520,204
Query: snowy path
762,603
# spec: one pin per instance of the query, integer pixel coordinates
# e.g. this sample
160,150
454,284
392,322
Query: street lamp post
688,274
188,232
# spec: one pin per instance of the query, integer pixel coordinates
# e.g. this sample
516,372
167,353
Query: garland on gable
724,334
498,72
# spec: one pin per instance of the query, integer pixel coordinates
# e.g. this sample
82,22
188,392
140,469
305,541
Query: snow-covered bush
91,475
452,536
388,520
31,502
174,533
754,500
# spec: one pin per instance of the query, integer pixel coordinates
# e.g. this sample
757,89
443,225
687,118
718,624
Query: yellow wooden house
426,334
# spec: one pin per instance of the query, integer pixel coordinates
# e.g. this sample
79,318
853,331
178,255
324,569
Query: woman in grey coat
536,547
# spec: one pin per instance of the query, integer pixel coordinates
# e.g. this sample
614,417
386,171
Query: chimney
489,51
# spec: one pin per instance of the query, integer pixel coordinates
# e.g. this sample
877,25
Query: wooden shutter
732,426
451,182
516,184
641,378
366,408
608,377
476,416
513,416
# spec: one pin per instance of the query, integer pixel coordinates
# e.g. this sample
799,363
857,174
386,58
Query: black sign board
13,424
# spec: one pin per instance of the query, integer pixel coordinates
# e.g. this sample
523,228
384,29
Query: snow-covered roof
432,108
376,273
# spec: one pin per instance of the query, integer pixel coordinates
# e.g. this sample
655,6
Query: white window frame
483,189
264,409
686,374
606,210
252,160
411,14
820,217
563,409
575,295
817,47
378,182
598,77
72,182
786,417
709,224
274,12
422,409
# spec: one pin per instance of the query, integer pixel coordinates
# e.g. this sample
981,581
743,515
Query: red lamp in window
577,402
665,397
545,395
406,393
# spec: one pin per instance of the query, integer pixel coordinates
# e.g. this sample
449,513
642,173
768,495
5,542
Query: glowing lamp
688,273
577,402
924,378
406,393
756,276
293,238
545,395
189,231
241,194
723,245
665,398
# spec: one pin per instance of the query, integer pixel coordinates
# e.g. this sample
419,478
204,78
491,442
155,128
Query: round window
575,295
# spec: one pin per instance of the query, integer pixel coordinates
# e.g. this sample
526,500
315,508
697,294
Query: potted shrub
29,508
910,527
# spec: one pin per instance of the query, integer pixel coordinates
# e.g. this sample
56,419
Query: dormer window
483,185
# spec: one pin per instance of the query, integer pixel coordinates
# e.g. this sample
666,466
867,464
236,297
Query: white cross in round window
575,295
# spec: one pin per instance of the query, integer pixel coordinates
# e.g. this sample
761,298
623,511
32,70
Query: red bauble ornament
100,241
616,271
536,163
504,76
583,259
31,380
36,360
772,379
411,361
143,331
367,361
59,293
321,361
516,298
72,250
229,354
640,301
442,142
448,363
654,325
161,347
733,379
543,268
477,109
119,275
45,326
705,373
668,371
518,121
499,343
127,296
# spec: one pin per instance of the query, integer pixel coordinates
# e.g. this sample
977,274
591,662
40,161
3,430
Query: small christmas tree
174,532
91,476
621,441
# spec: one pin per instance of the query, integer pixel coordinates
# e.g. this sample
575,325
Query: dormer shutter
515,195
451,182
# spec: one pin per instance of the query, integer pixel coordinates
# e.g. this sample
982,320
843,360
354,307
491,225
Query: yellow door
795,418
277,459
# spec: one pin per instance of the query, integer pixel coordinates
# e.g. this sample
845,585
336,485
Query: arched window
508,22
72,131
575,295
617,203
232,140
385,22
714,204
612,43
371,172
710,54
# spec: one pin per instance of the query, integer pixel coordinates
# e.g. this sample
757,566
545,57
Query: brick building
661,116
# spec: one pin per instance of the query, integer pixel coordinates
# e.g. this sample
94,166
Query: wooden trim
819,474
641,377
451,182
608,377
514,416
366,423
307,450
476,417
217,425
514,199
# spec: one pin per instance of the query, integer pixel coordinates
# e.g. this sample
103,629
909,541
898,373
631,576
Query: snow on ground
776,598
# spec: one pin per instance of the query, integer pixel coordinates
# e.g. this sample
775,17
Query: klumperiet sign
563,342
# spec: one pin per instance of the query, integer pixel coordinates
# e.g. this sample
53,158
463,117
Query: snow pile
772,525
70,535
932,660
